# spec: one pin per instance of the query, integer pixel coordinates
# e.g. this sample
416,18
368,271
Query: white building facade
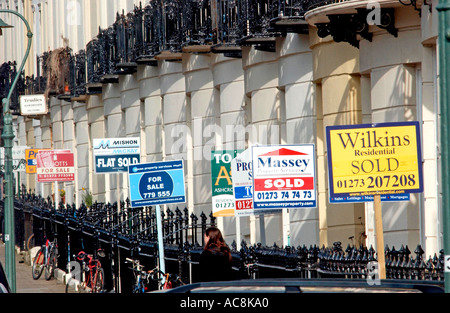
184,104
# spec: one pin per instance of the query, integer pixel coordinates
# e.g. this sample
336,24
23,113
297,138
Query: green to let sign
222,183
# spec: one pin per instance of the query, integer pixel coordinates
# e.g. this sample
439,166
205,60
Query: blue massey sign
114,155
157,183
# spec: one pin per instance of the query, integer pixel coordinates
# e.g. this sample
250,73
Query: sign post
283,179
375,159
241,167
443,9
155,184
380,237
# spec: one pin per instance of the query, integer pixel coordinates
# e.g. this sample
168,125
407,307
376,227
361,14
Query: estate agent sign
374,159
284,176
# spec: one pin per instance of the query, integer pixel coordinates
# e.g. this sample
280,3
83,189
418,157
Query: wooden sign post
380,237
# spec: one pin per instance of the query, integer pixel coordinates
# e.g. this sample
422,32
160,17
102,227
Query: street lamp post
8,136
444,77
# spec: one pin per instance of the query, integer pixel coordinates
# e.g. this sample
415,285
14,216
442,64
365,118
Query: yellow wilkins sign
374,159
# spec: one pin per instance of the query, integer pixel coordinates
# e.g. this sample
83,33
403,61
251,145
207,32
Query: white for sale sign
284,176
241,167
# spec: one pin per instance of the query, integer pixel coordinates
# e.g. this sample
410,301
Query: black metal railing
8,72
169,26
145,32
124,232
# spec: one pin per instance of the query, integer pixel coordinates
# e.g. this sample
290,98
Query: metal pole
8,136
444,76
162,263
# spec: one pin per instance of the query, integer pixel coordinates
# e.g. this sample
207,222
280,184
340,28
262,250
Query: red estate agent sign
55,166
284,176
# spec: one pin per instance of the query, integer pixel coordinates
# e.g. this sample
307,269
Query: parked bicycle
165,280
173,281
46,258
141,277
90,277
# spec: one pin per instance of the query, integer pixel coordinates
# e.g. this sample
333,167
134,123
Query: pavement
25,282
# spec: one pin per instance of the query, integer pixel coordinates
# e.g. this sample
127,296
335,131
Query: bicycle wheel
38,264
99,283
51,264
30,242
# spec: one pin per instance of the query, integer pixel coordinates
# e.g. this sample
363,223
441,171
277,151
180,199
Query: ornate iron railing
8,72
143,34
134,231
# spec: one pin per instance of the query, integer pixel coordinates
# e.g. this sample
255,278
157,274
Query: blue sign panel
157,183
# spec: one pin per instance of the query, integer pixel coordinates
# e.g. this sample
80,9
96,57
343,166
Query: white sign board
113,155
33,105
18,156
284,176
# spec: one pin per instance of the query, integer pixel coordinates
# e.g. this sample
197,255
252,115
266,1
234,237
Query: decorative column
232,115
175,114
69,143
96,118
150,93
131,117
338,102
57,139
301,125
113,129
80,118
395,83
46,138
201,99
38,144
261,83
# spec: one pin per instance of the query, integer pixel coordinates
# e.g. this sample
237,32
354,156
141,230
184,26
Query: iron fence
125,232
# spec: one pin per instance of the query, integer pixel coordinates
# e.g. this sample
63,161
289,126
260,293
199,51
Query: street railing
124,232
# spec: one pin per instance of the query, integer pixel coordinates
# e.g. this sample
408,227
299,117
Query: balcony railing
168,27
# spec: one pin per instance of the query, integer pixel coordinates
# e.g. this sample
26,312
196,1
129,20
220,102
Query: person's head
213,237
214,241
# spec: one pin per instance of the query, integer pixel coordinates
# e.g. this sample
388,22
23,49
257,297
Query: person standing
215,259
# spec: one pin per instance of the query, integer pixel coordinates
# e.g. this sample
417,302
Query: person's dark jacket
215,265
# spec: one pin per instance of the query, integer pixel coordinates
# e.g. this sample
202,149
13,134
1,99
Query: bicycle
165,280
45,259
90,277
141,277
174,281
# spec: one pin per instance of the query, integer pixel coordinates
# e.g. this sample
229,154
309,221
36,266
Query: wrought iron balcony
164,29
197,27
8,71
77,76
